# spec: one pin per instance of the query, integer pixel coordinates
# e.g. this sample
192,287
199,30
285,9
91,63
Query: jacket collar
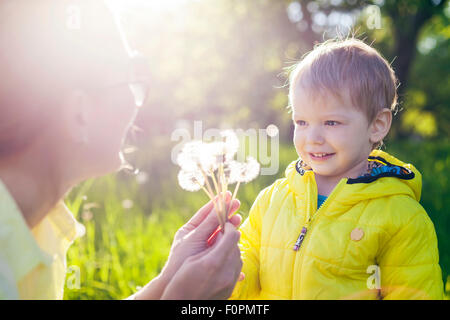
408,181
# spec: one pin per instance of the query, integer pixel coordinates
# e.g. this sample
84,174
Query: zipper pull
300,238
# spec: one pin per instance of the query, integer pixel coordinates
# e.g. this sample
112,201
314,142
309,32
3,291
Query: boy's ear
380,126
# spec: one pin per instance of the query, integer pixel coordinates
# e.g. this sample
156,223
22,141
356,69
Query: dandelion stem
213,177
210,195
217,210
233,197
207,192
223,190
225,186
208,185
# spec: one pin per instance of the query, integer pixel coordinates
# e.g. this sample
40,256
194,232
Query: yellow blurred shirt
33,262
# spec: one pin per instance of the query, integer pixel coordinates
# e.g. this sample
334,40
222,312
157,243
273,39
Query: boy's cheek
298,145
296,138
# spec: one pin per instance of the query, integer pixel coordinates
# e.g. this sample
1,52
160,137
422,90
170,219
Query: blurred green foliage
432,159
223,63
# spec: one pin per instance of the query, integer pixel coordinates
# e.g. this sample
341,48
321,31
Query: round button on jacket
356,234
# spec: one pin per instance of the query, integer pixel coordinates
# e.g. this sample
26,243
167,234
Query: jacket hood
390,176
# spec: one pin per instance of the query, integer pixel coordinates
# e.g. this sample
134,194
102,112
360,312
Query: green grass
124,248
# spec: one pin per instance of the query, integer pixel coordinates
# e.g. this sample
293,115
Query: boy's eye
331,123
300,122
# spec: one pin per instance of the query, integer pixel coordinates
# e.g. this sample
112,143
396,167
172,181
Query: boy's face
331,135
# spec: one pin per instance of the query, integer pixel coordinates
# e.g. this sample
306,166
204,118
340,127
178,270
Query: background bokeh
224,63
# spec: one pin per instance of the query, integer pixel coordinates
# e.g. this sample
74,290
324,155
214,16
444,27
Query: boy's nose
315,136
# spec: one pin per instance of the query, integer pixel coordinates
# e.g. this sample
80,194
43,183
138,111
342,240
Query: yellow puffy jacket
370,239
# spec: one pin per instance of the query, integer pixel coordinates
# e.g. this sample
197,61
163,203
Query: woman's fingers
211,222
227,254
200,215
235,219
210,274
204,211
226,242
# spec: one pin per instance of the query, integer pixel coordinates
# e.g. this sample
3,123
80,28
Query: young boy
345,222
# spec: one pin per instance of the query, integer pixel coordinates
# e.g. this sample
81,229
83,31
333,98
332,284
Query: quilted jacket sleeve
249,244
409,261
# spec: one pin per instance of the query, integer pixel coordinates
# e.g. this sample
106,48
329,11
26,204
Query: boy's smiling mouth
320,156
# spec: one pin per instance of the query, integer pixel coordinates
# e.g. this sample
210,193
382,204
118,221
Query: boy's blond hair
337,65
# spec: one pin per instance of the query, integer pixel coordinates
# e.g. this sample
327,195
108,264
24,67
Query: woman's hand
210,274
191,241
191,238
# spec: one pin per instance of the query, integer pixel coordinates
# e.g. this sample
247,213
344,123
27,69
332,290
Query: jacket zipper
308,225
300,238
302,234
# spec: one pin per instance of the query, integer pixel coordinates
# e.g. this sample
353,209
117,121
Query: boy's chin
324,171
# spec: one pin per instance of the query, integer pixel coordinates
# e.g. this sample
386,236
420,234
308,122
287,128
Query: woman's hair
47,48
340,65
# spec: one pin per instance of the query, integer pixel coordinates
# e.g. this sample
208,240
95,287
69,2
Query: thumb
226,242
235,219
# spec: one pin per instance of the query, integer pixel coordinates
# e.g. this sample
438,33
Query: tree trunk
406,31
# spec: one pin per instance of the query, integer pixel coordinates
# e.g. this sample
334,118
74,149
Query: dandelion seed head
191,180
243,172
217,148
190,156
235,171
252,167
231,143
199,160
214,155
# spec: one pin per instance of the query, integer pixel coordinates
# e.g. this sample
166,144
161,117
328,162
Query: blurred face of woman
111,118
67,105
102,117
